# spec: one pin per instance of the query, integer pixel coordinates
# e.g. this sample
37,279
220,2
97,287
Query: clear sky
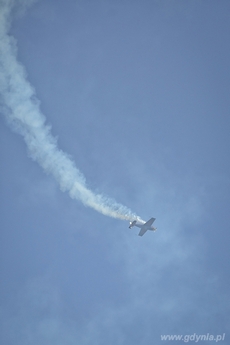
137,95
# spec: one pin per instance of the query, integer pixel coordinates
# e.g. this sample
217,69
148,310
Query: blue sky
137,93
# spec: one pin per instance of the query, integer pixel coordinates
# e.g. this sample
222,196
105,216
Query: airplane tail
132,224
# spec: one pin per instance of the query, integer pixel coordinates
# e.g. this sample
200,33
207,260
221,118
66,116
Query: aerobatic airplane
143,226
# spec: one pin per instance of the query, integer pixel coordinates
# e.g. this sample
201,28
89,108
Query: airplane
143,226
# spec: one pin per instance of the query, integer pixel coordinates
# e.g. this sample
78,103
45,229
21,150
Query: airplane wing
142,231
149,222
146,226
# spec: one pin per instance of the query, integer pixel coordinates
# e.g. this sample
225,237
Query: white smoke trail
21,109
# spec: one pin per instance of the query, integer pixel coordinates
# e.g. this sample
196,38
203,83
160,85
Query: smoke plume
21,110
